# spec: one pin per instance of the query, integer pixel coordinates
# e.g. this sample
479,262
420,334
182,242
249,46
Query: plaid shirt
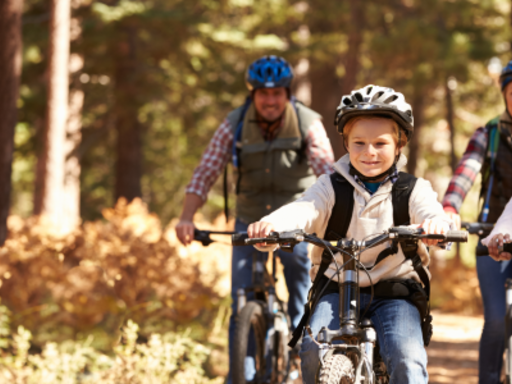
218,154
466,172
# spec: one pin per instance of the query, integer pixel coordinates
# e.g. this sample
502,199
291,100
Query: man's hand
497,241
185,231
454,216
185,228
433,227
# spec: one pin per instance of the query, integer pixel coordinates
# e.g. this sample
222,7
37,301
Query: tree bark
72,169
327,89
355,39
451,124
325,97
129,136
53,157
10,71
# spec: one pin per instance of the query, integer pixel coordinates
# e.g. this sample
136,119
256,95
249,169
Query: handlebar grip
457,236
239,238
482,250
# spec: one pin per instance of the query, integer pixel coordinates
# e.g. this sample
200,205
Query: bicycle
356,360
483,230
262,325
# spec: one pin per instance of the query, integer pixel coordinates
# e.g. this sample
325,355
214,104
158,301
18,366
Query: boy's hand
259,229
498,240
454,216
433,227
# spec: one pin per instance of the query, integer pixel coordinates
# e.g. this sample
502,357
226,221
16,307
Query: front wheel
337,369
248,360
508,361
280,356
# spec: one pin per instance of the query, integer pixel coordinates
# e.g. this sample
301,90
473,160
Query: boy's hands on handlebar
433,227
497,241
259,229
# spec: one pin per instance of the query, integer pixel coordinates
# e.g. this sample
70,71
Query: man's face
270,102
507,93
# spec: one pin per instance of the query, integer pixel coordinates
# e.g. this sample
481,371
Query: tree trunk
129,140
418,106
10,71
325,97
53,157
451,124
71,198
327,89
355,39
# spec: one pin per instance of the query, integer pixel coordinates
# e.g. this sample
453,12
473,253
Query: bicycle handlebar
399,234
477,228
204,236
482,250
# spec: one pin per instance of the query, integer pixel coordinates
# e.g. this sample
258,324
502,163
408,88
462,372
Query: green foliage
191,57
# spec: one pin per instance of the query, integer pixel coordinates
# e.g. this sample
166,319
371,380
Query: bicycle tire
337,369
280,360
251,318
508,360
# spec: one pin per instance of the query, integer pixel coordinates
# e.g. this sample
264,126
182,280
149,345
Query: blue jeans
398,326
492,276
296,273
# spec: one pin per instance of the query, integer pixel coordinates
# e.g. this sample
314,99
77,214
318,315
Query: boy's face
270,102
371,146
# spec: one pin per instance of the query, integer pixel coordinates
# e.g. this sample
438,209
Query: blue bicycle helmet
506,75
269,72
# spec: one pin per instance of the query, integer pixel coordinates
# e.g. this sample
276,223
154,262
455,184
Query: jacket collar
342,166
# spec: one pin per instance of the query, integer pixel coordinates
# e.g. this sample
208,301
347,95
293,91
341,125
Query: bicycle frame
358,336
263,289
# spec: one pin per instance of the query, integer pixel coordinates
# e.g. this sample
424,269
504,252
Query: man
489,152
278,148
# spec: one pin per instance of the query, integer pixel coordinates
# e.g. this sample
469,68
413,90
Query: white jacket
503,225
372,214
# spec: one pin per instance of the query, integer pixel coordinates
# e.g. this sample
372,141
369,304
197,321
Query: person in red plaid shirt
278,148
489,152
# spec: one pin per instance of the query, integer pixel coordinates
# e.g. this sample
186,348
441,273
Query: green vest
271,174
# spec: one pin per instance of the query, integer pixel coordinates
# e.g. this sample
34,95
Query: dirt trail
453,352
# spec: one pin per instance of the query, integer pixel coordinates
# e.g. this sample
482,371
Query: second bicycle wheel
337,369
280,356
248,360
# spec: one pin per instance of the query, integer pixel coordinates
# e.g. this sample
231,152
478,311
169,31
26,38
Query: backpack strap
493,141
236,121
400,194
336,229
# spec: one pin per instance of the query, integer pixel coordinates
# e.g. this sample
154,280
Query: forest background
102,100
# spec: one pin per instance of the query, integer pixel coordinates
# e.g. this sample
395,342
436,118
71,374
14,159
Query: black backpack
337,228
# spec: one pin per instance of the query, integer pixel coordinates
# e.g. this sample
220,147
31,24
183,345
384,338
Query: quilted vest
271,173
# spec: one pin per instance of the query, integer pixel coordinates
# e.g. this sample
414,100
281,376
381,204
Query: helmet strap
366,179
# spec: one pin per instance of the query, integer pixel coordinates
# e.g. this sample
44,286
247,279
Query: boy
376,123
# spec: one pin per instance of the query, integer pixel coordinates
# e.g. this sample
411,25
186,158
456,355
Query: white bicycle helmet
376,101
